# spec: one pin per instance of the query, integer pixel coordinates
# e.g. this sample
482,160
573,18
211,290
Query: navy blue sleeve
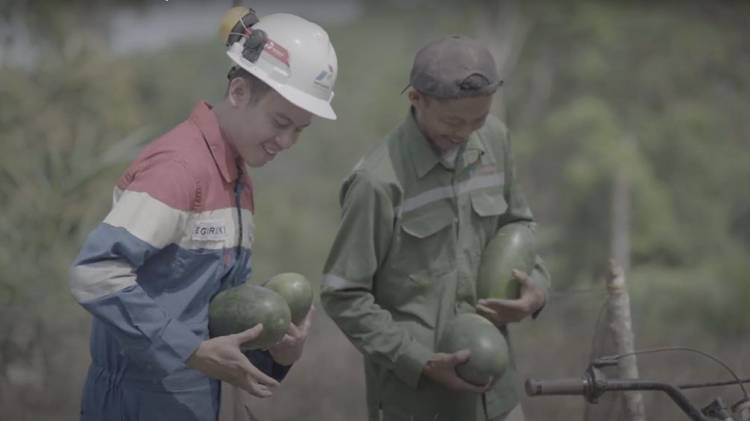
266,364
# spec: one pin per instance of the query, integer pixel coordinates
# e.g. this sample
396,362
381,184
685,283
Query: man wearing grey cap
417,213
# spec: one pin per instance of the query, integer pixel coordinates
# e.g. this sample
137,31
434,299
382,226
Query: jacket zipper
237,191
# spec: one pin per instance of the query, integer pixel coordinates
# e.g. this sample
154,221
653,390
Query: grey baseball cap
454,67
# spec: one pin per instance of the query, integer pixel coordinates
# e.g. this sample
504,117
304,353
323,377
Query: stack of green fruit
284,298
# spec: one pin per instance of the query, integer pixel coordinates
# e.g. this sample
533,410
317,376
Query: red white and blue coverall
180,230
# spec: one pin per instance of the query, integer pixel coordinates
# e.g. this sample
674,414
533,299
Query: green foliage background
657,91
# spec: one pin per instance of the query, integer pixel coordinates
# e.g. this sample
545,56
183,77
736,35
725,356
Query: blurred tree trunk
620,326
618,338
621,209
619,302
503,27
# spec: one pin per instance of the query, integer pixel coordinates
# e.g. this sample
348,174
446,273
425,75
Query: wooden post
620,326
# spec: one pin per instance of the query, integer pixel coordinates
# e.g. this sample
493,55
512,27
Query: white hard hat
294,57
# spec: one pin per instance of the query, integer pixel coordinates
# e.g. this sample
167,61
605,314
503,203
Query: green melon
240,308
512,248
489,350
297,292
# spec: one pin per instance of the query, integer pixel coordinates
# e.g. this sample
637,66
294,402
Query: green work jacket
405,261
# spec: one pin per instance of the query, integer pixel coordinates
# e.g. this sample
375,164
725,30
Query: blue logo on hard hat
325,75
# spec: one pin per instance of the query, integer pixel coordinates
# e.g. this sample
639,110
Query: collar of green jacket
424,156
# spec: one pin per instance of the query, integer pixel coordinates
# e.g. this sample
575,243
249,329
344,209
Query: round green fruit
240,308
489,350
297,292
512,248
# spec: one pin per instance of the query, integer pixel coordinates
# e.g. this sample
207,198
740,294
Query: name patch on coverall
215,230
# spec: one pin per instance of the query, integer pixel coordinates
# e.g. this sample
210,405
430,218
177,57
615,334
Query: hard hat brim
307,102
316,106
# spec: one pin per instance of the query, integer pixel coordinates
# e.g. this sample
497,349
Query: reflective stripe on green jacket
405,260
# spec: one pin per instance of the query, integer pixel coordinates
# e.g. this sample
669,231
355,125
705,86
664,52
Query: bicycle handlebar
536,387
593,384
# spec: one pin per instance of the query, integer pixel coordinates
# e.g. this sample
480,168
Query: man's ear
239,92
415,98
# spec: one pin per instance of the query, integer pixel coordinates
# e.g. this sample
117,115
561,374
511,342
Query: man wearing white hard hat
181,230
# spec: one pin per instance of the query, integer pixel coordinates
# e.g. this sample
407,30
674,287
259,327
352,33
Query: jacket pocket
425,240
